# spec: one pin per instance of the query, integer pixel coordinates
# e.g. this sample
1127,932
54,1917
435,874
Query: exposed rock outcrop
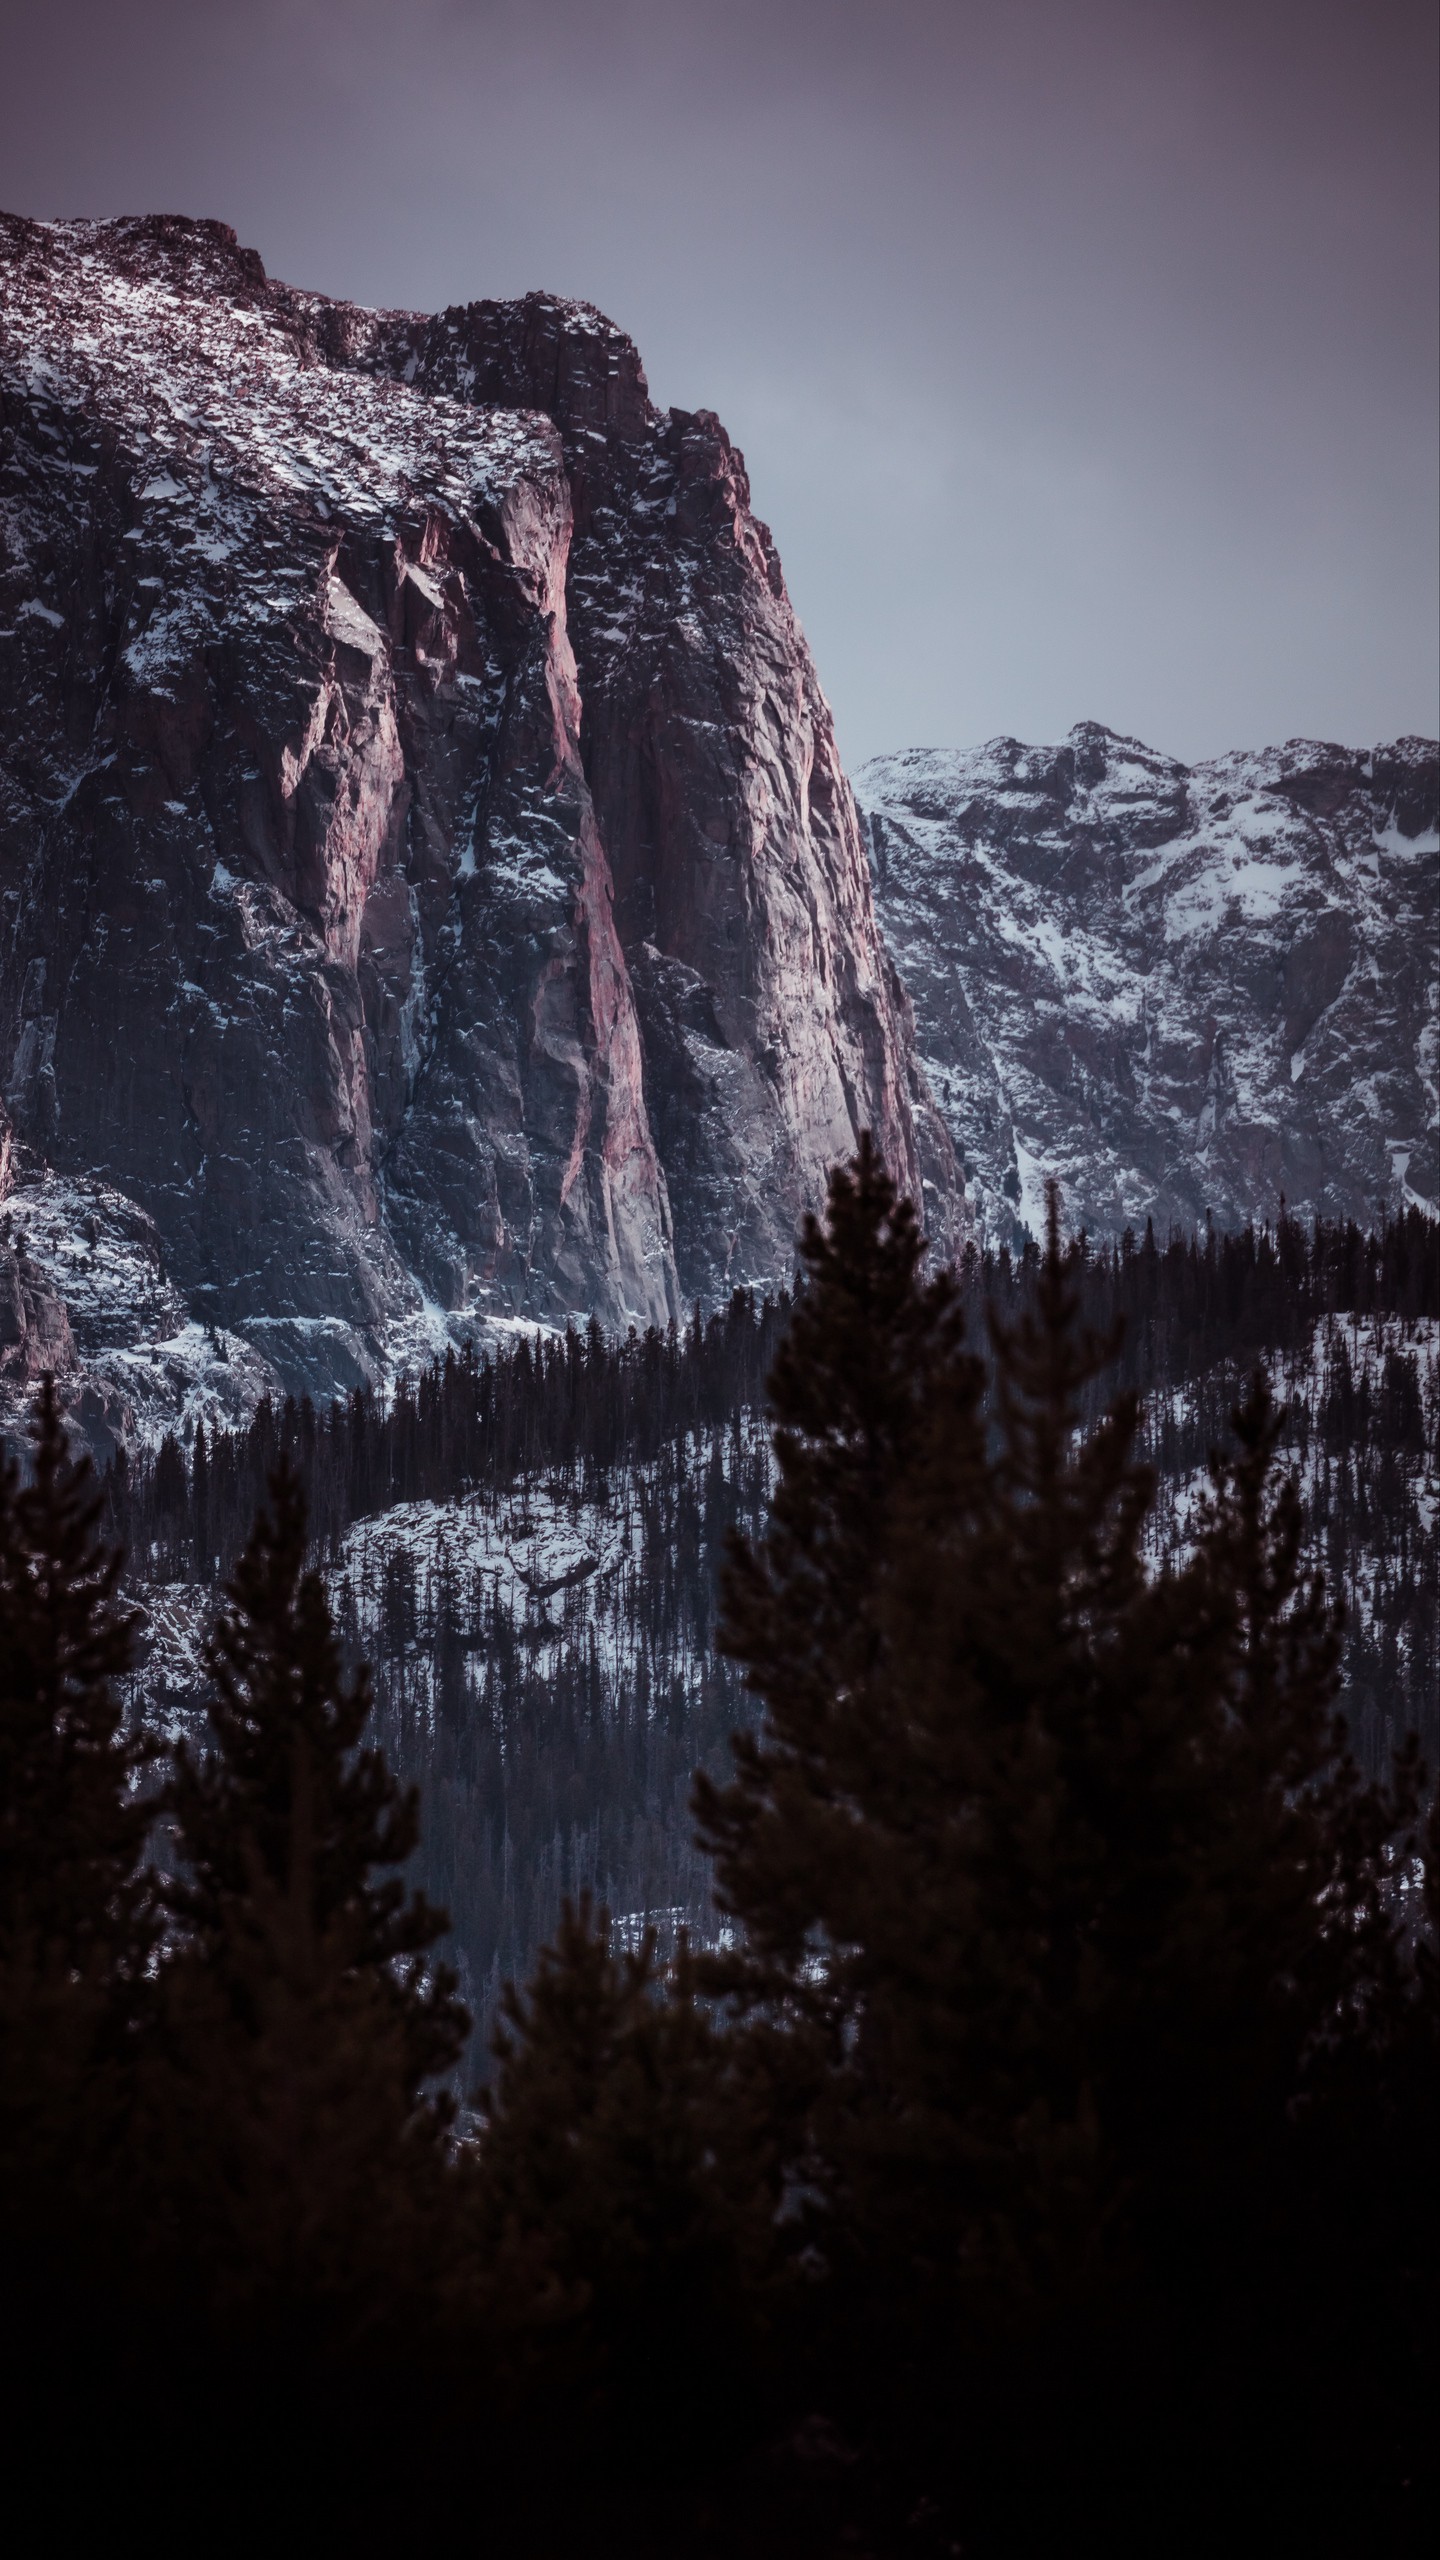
428,876
34,1322
1181,990
774,1028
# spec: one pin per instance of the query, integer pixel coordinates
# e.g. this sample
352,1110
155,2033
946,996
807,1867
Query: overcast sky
1083,352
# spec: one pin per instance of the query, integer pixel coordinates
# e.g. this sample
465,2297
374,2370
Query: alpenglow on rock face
429,879
1180,990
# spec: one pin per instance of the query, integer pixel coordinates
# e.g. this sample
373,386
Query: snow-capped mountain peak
1183,990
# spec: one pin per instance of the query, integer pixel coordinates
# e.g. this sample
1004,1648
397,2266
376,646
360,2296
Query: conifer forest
810,1932
552,1716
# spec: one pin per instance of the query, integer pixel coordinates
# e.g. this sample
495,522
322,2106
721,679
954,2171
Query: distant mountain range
1186,991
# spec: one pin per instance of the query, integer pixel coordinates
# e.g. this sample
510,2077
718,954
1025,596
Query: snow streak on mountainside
1184,991
430,888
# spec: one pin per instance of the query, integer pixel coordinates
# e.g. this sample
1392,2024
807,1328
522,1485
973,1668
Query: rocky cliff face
430,888
1181,990
773,1025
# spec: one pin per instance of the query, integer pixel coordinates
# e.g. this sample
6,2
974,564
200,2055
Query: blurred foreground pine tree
78,1915
295,2138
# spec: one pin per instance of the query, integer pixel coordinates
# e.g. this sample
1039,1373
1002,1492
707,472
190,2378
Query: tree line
472,1422
583,1400
1043,2152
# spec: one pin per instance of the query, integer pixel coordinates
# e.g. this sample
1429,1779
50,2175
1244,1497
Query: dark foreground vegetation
1044,2158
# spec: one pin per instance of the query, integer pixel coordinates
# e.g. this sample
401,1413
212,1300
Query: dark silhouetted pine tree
874,1356
626,2196
77,1912
1056,1877
298,2141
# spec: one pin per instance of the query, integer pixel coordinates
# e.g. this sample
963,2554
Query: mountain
432,896
1184,990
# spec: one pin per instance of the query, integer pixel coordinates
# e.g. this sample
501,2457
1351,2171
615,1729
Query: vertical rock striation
774,1025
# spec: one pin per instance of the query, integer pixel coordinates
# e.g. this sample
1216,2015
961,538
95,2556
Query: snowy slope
1361,1433
1181,990
545,1671
555,1562
93,1300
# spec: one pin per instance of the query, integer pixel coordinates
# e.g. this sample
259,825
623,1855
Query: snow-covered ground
557,1565
553,1564
1371,1510
140,1364
1302,1381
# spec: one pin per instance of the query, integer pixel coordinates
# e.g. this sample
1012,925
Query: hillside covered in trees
528,1548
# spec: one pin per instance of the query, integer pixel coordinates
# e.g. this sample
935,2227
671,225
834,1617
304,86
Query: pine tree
299,2145
873,1359
202,1565
1055,1873
77,1915
626,2196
